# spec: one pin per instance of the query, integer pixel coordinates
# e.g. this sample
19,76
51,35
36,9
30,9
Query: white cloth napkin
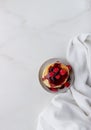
72,110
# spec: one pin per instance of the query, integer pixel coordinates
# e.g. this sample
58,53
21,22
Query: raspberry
62,71
67,84
69,67
51,74
55,69
57,76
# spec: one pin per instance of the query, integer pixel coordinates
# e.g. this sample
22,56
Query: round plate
50,61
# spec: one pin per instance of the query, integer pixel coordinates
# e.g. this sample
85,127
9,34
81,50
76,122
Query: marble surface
32,31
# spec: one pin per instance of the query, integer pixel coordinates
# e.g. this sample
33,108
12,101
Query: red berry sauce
56,75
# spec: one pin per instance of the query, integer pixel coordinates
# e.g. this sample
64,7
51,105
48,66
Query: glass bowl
52,61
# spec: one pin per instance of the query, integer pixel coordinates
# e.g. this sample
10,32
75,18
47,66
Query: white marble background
32,31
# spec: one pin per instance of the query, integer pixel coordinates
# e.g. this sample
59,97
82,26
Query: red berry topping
53,89
62,71
57,76
67,84
55,69
51,74
69,67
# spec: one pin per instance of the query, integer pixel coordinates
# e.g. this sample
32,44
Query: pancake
55,75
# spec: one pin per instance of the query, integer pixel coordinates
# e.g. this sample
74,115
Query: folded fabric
72,110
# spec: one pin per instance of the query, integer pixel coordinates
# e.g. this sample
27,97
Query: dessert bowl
56,75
